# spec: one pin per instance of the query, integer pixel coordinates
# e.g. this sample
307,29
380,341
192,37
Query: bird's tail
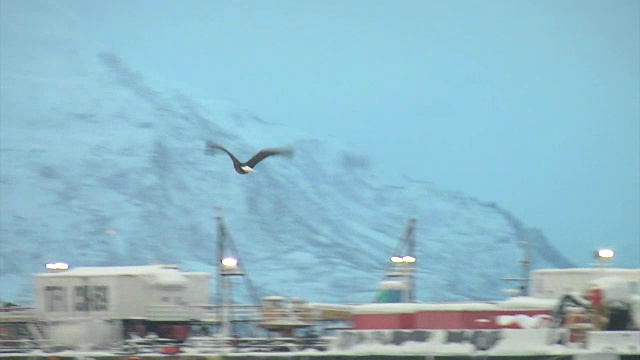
211,145
287,153
211,148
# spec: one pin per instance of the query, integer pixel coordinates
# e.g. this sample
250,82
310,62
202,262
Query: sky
533,105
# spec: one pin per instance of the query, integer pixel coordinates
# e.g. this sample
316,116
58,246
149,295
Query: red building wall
445,320
439,320
382,321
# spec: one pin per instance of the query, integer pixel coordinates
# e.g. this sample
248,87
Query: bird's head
247,169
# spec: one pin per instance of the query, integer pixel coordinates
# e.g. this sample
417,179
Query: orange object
170,350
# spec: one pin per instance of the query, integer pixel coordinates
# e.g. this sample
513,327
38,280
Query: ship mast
403,260
228,264
525,268
525,265
410,240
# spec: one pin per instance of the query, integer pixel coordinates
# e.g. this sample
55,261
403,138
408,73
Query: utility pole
222,284
525,264
525,268
227,265
411,251
403,262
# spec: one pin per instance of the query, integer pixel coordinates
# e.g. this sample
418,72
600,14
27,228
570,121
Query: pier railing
10,314
204,313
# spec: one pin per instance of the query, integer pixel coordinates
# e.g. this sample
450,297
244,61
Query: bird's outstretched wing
213,146
269,152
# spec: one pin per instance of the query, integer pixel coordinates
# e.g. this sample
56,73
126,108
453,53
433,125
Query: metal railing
163,312
17,314
204,313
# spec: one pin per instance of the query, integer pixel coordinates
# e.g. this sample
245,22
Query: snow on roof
527,303
113,270
164,275
519,303
402,308
597,271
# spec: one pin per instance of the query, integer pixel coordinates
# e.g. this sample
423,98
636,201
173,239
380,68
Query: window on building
100,298
55,298
91,298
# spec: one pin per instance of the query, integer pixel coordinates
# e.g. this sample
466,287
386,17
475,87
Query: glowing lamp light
229,262
58,266
605,253
403,259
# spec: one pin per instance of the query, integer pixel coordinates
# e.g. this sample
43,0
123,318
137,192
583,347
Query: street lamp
403,259
229,262
402,267
603,255
228,267
56,266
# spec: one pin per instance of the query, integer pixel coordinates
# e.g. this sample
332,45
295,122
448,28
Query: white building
152,292
553,283
97,304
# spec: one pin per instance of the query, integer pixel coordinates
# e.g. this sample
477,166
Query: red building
513,313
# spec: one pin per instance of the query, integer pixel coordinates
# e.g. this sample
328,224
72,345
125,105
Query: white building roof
600,271
164,275
519,303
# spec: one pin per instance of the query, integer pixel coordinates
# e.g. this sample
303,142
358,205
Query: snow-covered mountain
110,169
101,164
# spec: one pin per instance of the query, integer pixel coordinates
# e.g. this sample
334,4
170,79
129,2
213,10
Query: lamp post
405,265
228,267
603,256
56,266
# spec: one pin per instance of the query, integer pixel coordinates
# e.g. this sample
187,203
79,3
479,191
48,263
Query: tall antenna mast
403,261
525,265
228,264
525,268
410,239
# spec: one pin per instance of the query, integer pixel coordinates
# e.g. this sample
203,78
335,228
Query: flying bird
247,167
